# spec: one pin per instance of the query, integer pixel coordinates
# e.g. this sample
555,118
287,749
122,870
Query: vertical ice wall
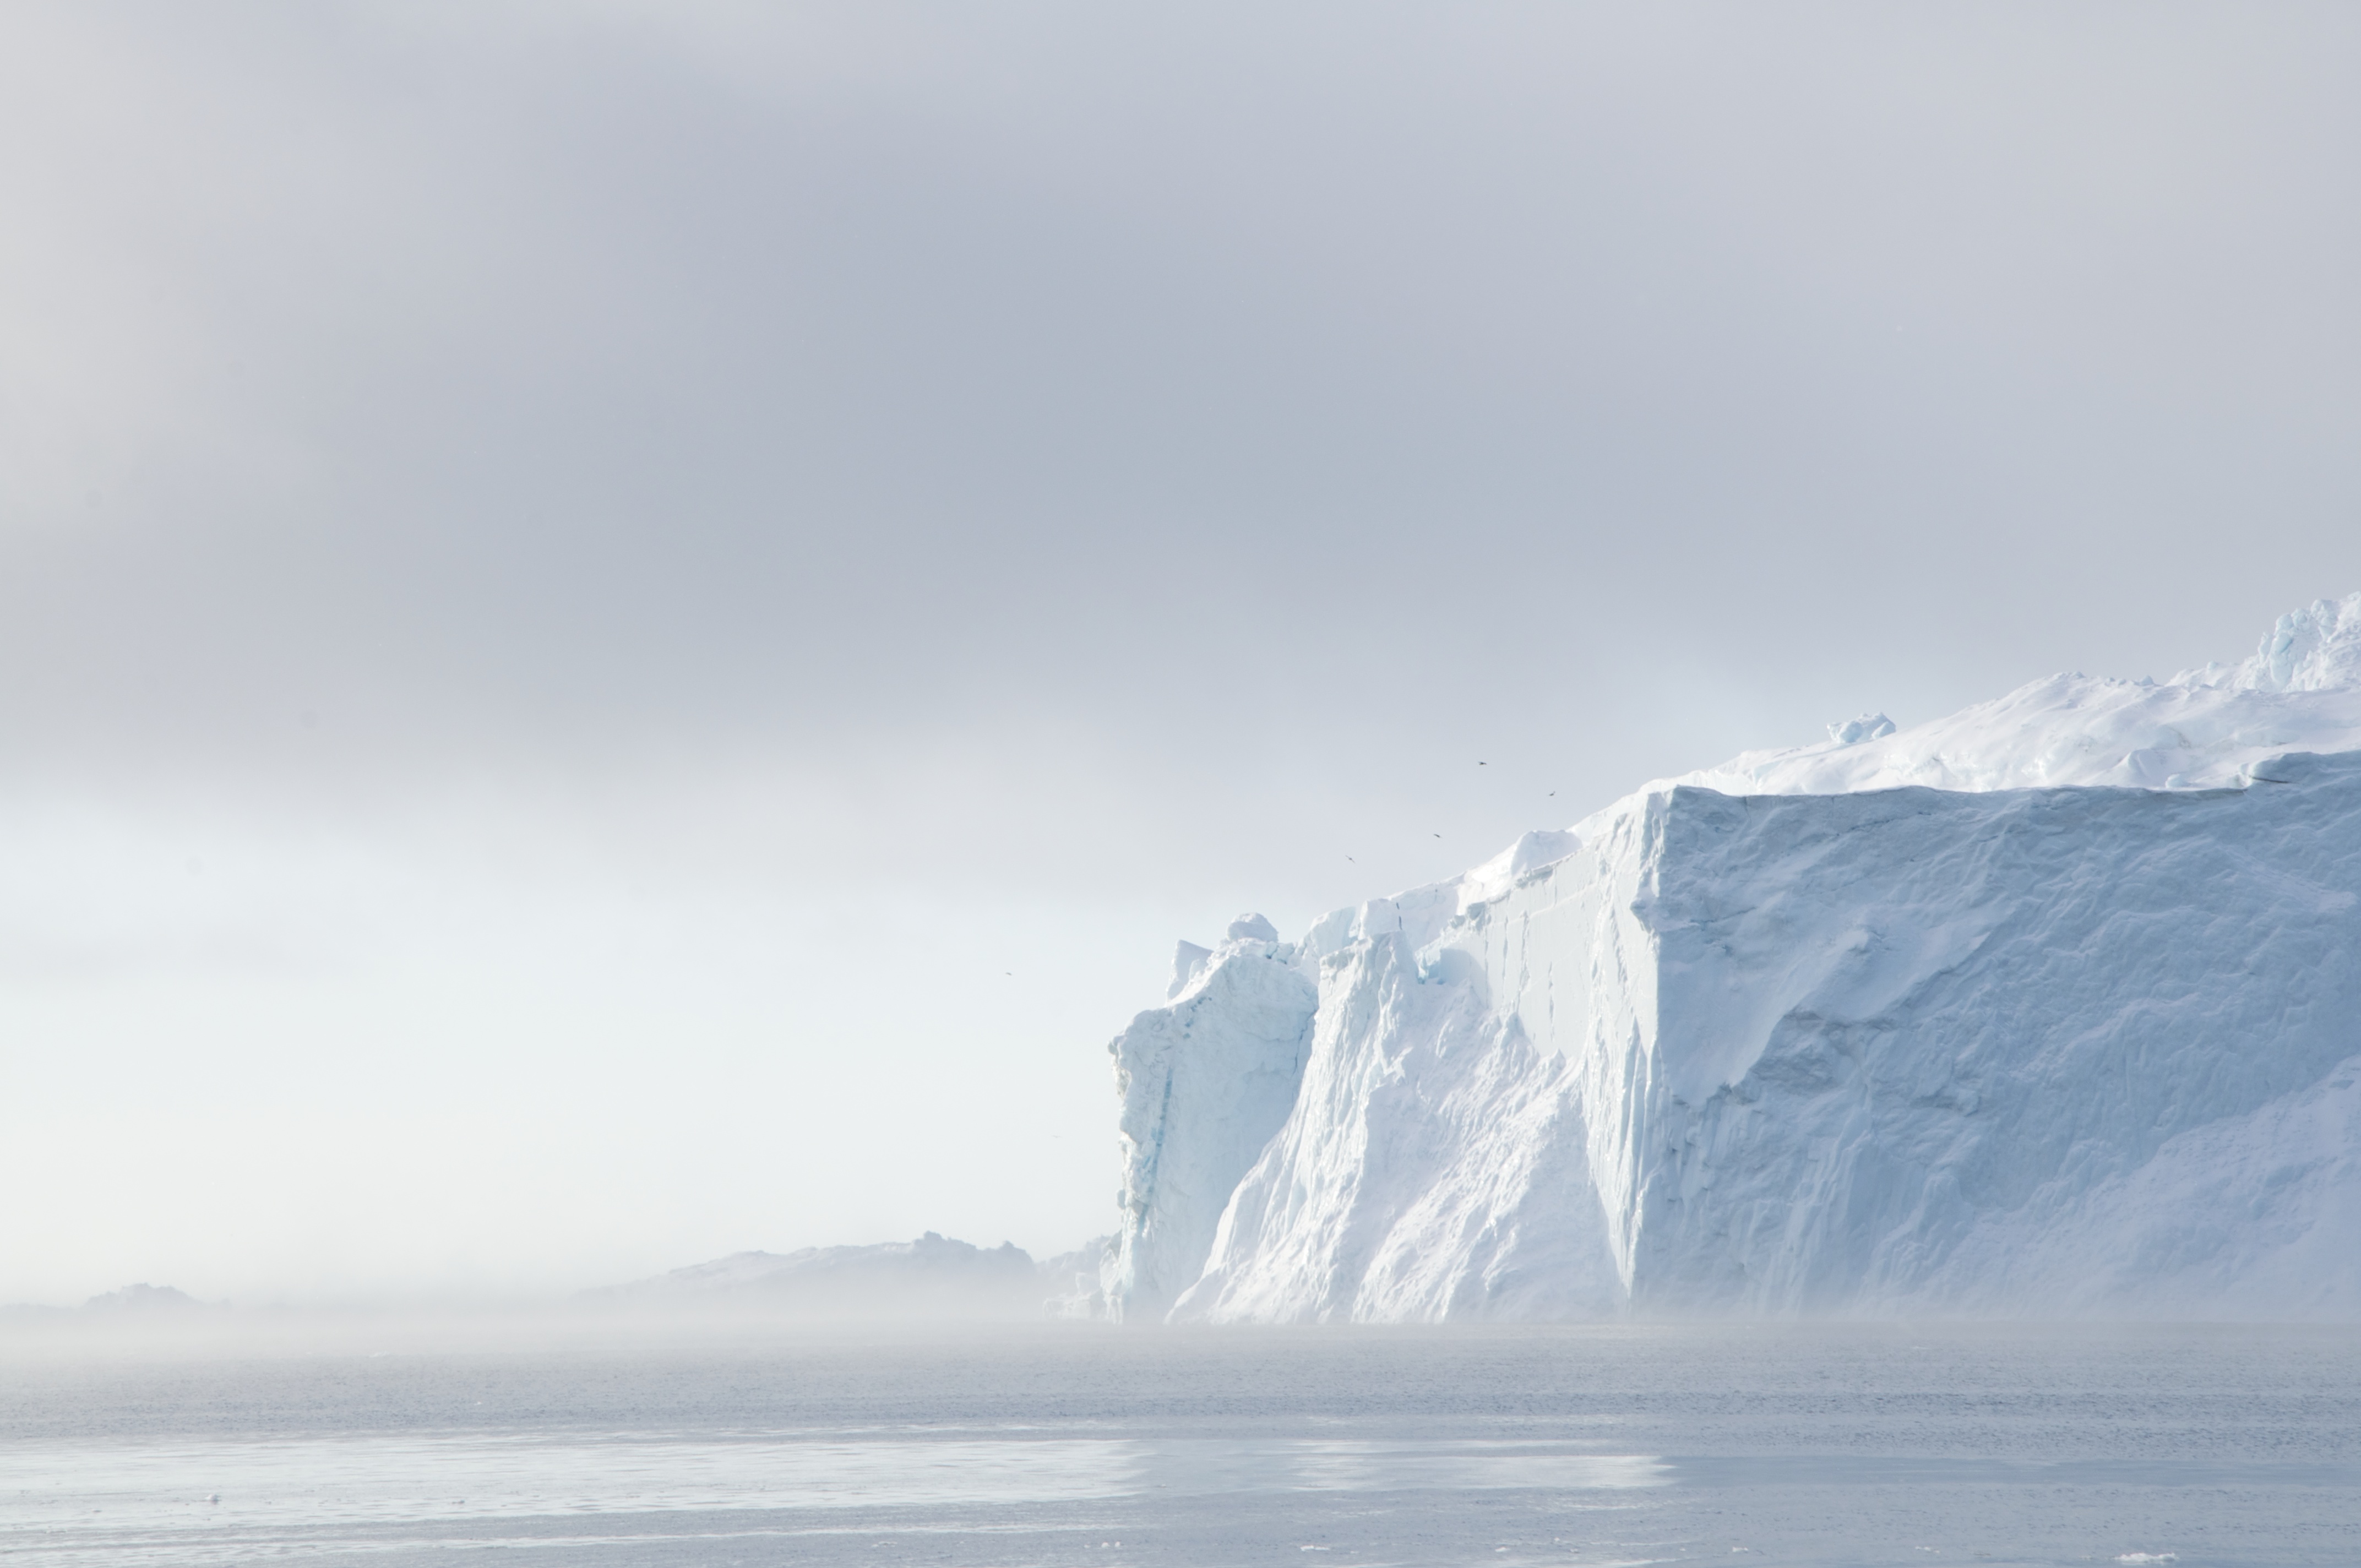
1206,1080
1905,1036
1434,1166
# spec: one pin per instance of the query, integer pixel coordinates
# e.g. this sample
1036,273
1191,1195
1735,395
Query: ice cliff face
1206,1080
2054,1005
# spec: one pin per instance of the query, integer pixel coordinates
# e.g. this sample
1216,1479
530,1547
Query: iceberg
2049,1007
933,1279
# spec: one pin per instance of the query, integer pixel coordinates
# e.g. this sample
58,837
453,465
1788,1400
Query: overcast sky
629,629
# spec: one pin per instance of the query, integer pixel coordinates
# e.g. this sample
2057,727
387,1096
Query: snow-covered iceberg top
2202,730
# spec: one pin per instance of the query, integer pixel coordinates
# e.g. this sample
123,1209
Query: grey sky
581,585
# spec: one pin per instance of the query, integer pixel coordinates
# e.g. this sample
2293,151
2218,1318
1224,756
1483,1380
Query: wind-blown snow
2053,1005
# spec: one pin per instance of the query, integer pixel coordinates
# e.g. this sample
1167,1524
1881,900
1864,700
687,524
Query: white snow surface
2198,730
2052,1007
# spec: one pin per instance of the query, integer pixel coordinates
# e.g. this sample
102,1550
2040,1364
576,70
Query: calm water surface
1080,1446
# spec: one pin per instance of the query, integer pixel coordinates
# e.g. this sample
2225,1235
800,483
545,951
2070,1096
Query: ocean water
1077,1444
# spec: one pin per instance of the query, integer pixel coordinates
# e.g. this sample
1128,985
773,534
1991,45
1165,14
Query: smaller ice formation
148,1305
2050,1006
933,1278
141,1298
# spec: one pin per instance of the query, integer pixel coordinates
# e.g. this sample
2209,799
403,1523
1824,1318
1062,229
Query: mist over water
1850,1443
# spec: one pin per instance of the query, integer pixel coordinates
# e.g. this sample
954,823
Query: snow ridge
2301,691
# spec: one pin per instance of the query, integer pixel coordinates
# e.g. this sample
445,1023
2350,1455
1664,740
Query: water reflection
1527,1447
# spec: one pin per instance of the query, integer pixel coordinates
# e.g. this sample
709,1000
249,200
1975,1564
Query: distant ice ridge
2052,1007
933,1278
142,1300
